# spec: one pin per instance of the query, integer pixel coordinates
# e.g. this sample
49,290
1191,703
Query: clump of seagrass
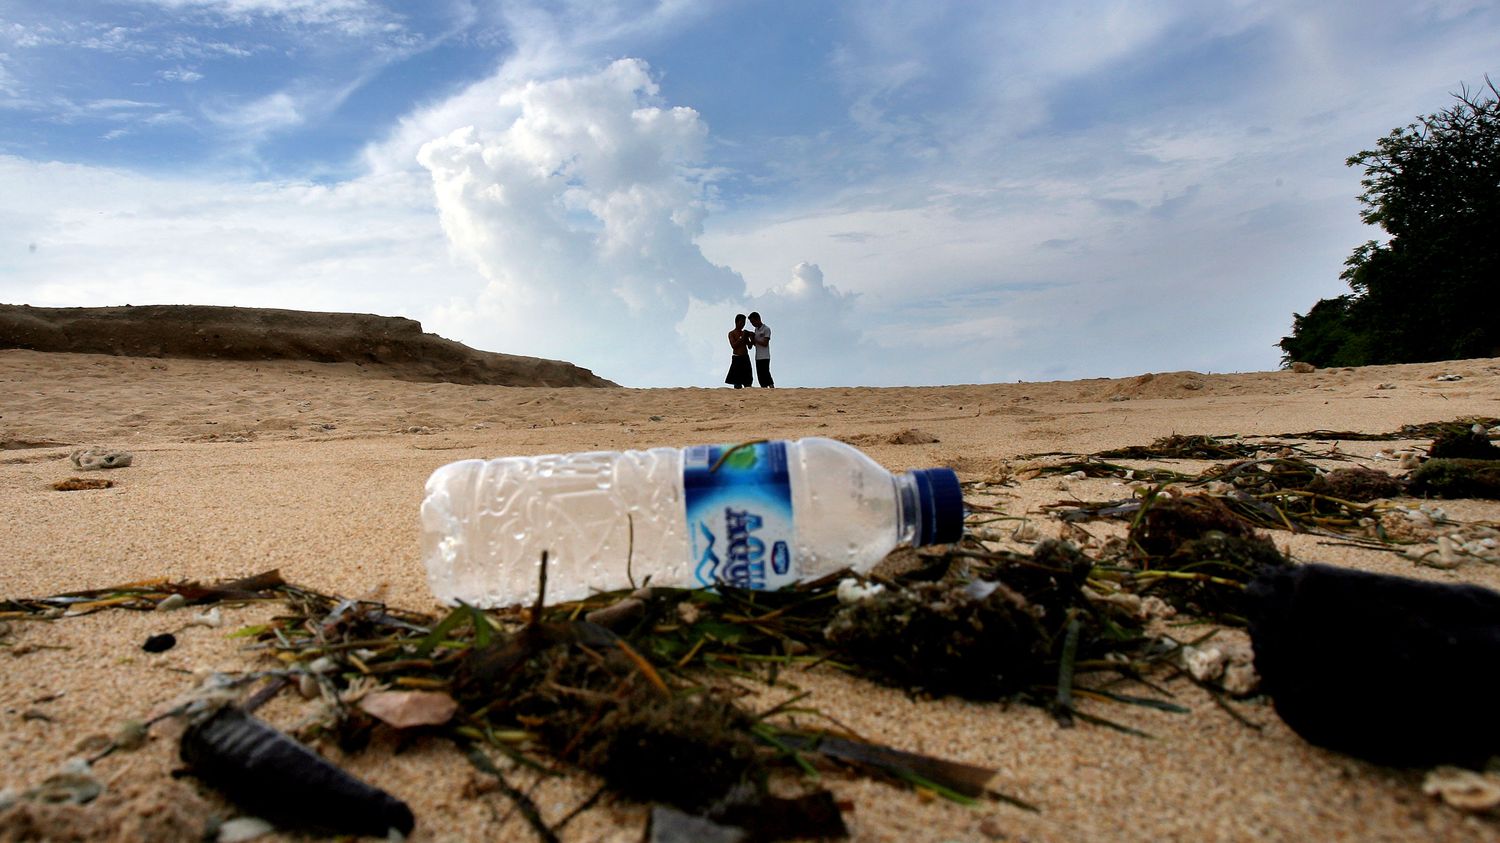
1425,430
1357,485
1455,478
1464,443
639,702
1197,555
1286,493
598,705
1265,476
998,633
692,750
977,639
1179,446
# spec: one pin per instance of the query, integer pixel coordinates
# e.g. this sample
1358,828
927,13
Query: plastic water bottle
759,515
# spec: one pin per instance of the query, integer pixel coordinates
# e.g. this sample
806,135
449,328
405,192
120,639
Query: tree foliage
1428,292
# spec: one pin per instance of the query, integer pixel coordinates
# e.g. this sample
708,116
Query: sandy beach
317,469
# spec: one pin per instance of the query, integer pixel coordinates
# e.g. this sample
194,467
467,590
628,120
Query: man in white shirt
762,351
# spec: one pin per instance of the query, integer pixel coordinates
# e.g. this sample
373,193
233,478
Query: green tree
1428,292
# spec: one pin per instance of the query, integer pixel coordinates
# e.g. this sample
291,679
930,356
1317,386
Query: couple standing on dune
740,341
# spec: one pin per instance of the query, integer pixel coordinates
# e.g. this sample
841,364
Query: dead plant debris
1186,447
1458,478
643,688
1424,430
80,484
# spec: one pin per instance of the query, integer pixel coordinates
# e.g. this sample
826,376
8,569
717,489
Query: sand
317,469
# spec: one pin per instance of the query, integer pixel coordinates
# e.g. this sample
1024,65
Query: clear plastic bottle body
849,509
606,518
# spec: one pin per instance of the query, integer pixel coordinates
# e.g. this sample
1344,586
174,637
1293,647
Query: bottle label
739,514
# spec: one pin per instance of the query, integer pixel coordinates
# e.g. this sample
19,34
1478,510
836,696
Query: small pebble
74,784
242,829
307,686
131,735
172,601
1204,663
213,618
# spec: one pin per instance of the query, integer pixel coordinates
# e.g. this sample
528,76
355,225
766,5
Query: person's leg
763,372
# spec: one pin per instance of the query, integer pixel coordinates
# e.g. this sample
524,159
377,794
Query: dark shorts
763,372
739,371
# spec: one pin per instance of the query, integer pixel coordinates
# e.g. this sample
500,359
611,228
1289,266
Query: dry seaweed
1455,478
1001,626
1278,493
1197,555
80,484
1463,443
1425,430
650,703
624,706
1091,467
146,595
1178,446
980,640
1175,446
1357,485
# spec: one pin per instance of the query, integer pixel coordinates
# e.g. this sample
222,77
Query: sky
910,193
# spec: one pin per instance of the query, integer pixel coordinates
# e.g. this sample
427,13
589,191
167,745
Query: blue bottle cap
942,502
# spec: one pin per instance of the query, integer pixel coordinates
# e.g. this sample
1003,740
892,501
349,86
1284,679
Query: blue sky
910,192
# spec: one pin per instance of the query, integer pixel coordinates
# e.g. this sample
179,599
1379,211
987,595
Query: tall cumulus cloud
816,337
581,214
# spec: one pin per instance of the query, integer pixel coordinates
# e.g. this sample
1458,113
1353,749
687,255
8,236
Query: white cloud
582,215
120,105
179,74
817,336
546,40
260,116
999,191
8,84
23,36
106,236
350,17
105,37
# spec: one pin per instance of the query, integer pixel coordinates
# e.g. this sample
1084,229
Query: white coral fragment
852,591
92,459
1463,789
1204,663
